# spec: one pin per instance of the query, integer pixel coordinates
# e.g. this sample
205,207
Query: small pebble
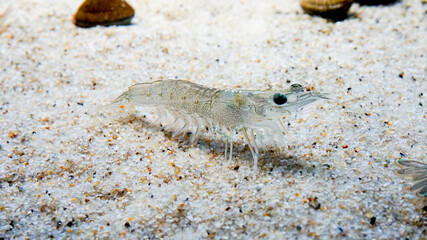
258,188
372,220
103,12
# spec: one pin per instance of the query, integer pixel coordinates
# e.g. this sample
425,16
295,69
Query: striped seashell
332,9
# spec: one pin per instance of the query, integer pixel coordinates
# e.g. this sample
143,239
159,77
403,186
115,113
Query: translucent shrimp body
193,107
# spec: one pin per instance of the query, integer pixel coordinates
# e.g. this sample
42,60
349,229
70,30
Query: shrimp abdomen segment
145,94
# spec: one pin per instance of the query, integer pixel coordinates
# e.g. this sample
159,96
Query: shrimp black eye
279,98
296,87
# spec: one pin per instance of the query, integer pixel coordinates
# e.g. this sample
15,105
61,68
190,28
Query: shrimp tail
417,171
124,97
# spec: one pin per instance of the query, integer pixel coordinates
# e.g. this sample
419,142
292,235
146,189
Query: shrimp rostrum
193,107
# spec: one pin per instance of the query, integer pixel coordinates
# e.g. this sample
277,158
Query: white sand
68,172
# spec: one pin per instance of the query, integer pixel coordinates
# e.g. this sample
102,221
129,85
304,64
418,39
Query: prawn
193,107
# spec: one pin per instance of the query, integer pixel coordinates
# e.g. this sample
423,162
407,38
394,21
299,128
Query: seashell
332,9
103,12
